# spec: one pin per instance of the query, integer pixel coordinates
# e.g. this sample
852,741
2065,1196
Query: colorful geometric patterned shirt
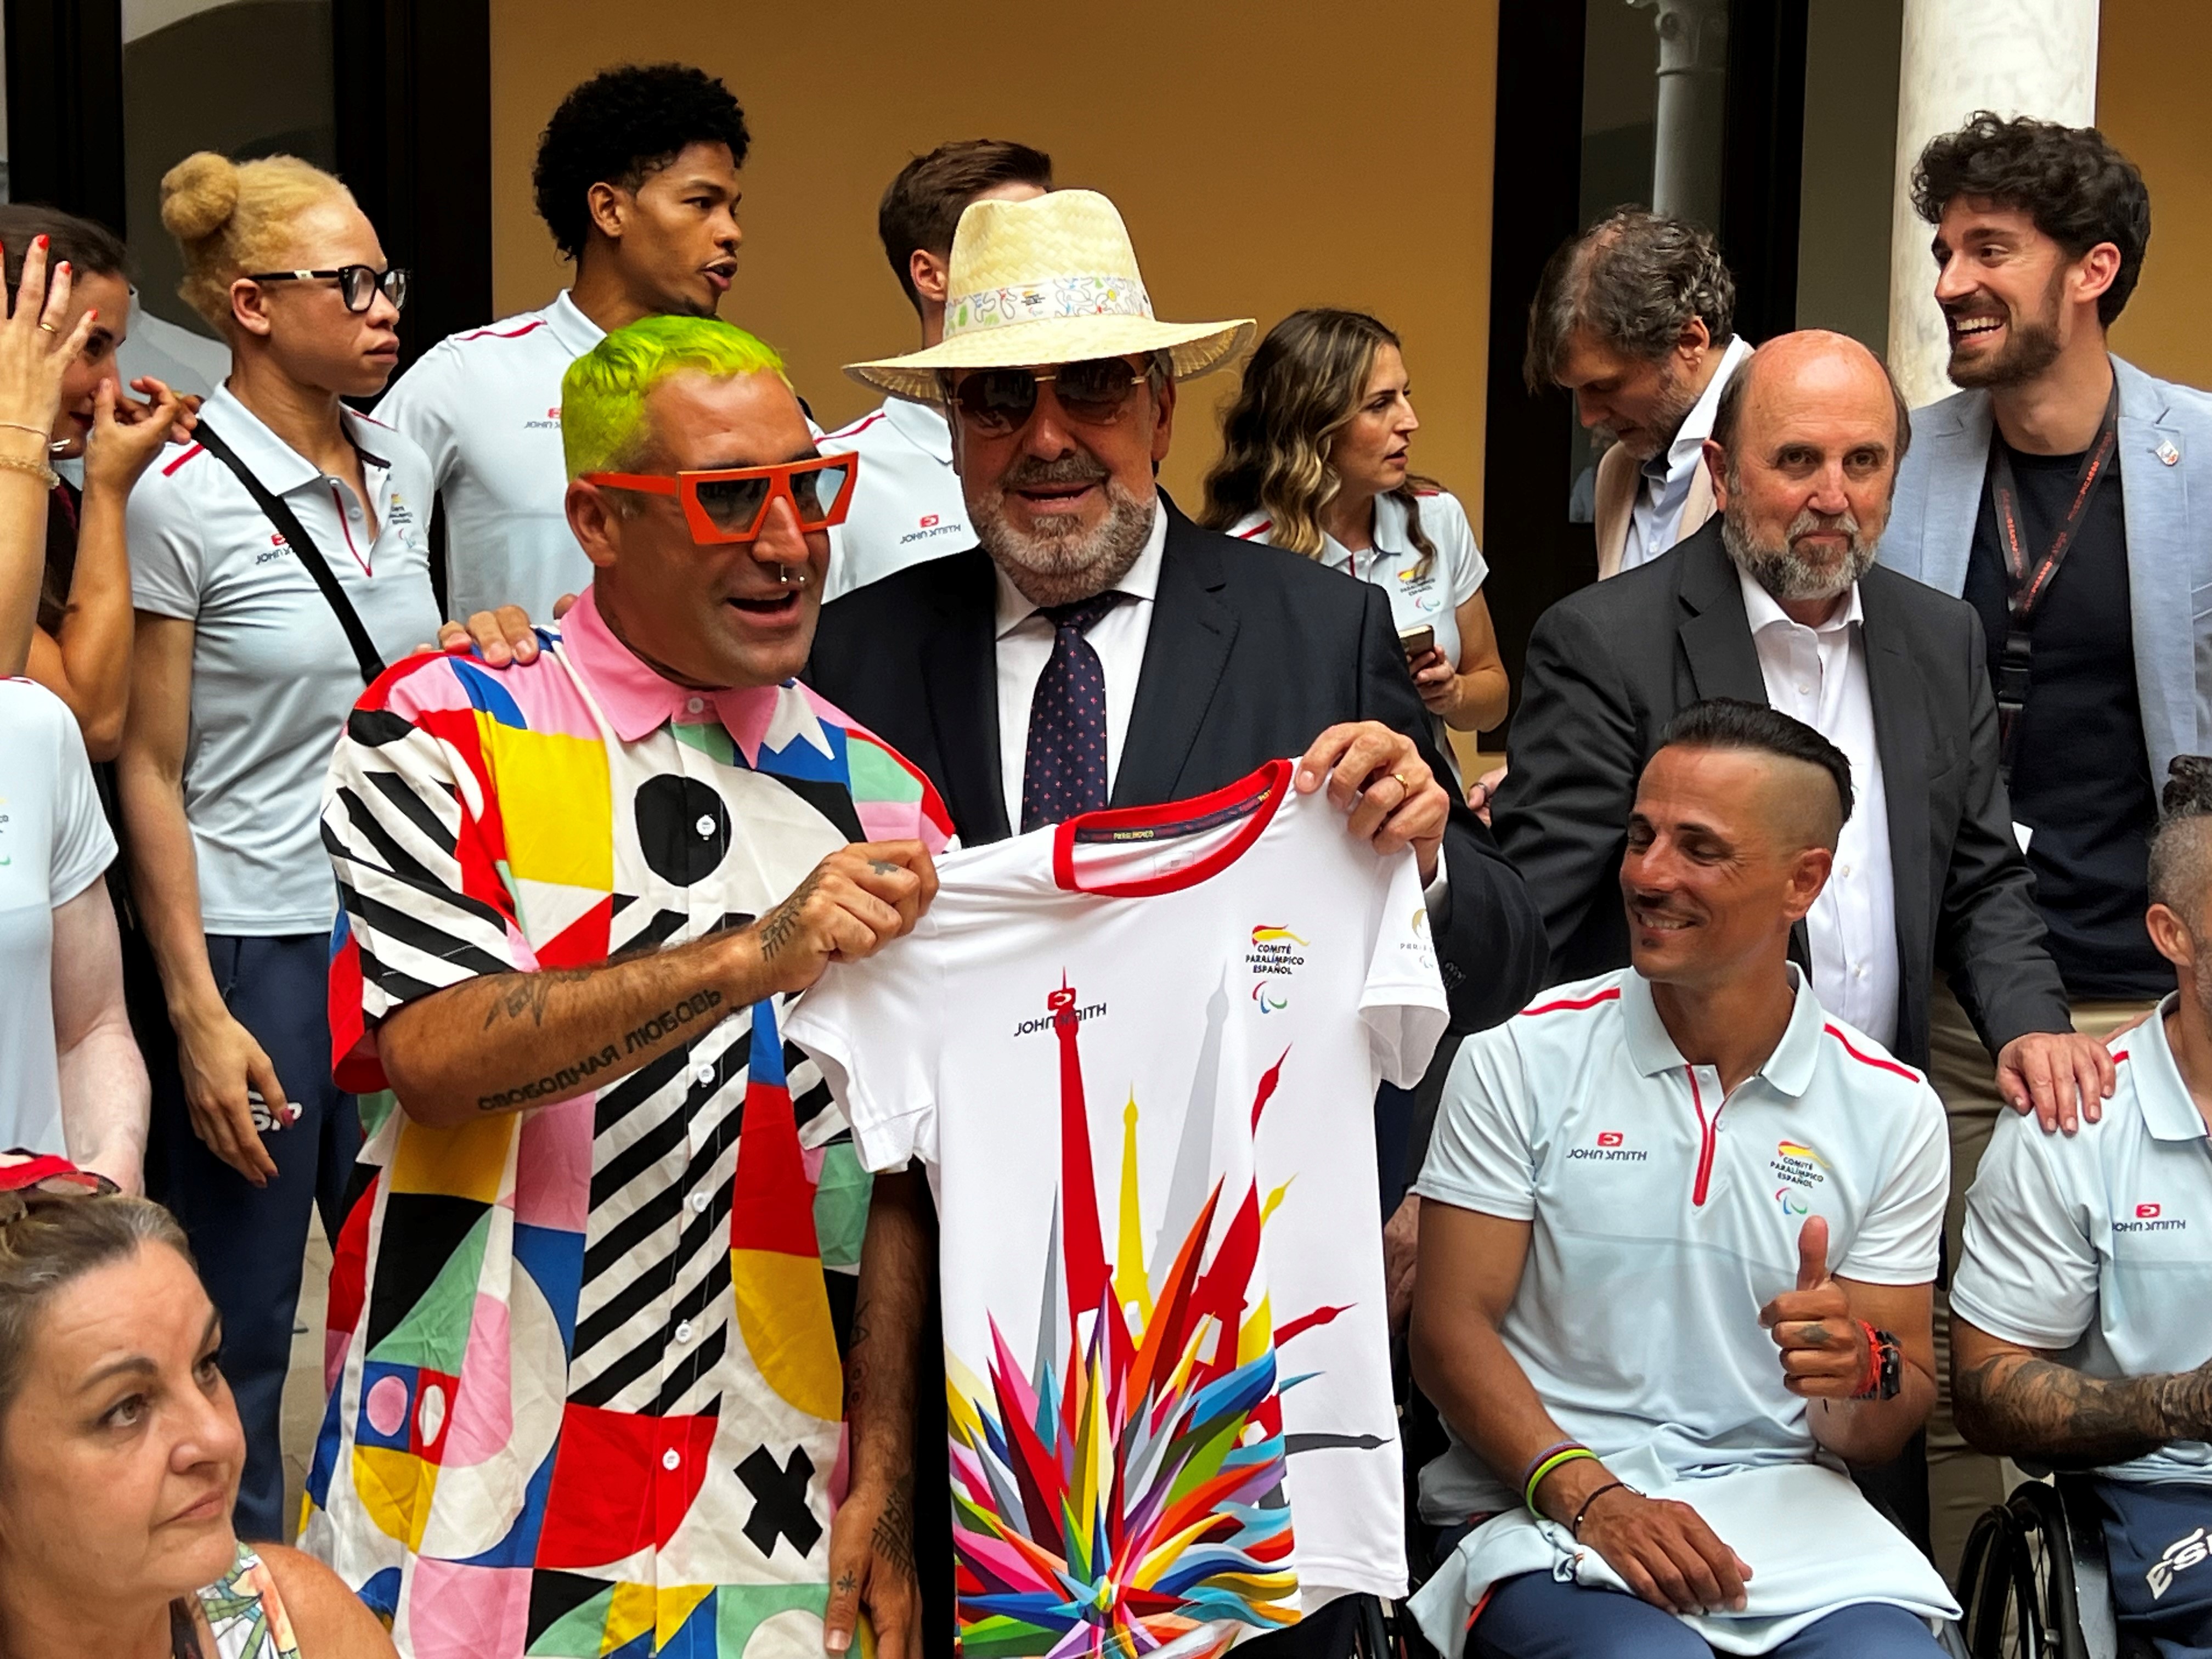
585,1393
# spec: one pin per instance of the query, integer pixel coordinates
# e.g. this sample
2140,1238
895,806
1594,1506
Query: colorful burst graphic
1124,1495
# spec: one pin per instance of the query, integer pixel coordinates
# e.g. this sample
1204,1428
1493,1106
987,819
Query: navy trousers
1536,1617
249,1240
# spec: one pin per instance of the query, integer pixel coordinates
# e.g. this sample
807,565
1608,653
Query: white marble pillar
1685,163
2016,57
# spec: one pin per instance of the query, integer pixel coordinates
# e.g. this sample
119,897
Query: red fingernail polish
42,241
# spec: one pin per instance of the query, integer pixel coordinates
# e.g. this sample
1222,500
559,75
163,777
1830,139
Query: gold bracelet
39,470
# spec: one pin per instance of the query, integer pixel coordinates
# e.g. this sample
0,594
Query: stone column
2023,57
1686,167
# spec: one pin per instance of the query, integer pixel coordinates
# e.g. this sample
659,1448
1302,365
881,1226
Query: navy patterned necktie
1064,772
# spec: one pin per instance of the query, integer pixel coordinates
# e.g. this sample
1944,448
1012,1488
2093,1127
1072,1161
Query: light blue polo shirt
273,678
2096,1248
1667,1215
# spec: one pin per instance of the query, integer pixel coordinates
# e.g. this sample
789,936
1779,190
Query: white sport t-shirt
908,506
1648,1189
54,842
1136,1054
2097,1247
1424,591
273,678
485,406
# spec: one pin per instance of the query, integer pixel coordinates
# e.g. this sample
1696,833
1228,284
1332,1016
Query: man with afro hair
2067,497
637,178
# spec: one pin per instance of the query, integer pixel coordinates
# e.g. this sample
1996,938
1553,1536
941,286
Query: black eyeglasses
358,285
997,401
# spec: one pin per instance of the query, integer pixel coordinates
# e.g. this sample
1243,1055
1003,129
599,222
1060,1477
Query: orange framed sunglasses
730,504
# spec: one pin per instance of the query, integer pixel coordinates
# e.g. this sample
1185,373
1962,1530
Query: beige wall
2153,66
1264,157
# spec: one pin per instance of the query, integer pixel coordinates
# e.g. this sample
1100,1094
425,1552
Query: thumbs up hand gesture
1824,1352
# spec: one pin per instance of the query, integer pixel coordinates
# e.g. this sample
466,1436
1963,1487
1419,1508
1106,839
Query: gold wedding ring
1399,779
49,327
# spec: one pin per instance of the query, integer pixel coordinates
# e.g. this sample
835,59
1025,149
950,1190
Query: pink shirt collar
638,701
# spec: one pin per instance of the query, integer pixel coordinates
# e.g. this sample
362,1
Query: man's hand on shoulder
2062,1077
502,638
1377,775
855,902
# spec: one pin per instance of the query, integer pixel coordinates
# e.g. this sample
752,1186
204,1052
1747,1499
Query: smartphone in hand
1418,641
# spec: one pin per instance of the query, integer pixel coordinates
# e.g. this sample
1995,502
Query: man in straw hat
1099,649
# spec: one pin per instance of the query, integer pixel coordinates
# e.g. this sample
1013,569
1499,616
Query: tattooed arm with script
502,1042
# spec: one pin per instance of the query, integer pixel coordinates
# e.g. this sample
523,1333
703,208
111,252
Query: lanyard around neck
2029,578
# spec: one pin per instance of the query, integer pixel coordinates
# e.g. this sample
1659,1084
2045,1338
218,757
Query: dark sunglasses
730,504
358,285
997,401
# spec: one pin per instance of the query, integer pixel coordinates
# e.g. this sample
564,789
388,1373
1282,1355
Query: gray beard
1786,573
1064,565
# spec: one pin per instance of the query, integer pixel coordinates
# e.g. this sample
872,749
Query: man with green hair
585,1379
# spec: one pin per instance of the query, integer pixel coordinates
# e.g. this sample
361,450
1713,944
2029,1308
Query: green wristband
1553,1461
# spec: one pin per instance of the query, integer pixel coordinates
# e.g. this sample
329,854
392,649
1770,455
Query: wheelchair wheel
2018,1584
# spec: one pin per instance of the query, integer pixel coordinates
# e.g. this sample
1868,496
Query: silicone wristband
1570,1456
1528,1469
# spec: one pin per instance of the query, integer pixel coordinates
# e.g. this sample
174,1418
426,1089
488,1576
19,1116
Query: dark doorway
1577,112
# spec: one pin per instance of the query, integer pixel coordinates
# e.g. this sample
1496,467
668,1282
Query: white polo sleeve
1481,1156
420,405
1465,569
2028,1272
870,1027
167,544
84,844
1902,1235
1402,1002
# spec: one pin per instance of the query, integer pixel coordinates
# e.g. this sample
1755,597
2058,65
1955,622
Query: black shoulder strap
304,549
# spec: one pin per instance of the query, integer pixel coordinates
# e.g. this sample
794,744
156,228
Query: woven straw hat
1051,280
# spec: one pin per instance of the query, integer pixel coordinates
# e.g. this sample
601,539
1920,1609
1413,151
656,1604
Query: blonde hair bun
198,196
232,218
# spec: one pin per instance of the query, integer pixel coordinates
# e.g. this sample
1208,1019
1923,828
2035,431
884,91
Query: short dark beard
1063,564
1677,398
1781,570
2031,346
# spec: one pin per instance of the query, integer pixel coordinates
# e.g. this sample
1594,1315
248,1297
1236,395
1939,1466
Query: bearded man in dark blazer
1099,650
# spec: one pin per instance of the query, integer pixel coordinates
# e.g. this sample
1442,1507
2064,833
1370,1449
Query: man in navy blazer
2100,657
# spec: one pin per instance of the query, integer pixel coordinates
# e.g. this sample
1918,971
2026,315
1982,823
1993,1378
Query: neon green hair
603,416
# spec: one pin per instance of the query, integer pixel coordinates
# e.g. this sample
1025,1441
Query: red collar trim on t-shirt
1267,787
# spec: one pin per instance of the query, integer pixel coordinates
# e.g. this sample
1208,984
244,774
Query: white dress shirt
1664,484
1026,645
1819,676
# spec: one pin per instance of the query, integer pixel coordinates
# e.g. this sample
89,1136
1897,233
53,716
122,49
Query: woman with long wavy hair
1315,459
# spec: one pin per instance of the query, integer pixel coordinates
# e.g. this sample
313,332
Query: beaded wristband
1570,1455
39,470
1870,1384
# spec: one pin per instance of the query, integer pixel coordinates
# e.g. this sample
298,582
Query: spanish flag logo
1792,1149
1264,935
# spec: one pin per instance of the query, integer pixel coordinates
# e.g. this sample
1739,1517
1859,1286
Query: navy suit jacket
1609,666
1252,653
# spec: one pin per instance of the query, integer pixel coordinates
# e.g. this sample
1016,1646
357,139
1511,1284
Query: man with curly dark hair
1633,318
637,178
2067,495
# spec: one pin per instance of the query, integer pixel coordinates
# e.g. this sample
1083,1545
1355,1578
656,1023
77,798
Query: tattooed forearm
553,1083
780,924
2020,1405
693,1007
528,993
893,1540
